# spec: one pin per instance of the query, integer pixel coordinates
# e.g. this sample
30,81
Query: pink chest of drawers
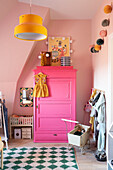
61,103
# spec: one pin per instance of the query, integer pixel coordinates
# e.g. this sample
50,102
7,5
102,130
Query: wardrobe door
59,90
50,110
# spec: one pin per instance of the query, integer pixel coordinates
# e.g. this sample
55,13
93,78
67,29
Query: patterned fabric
40,89
0,115
6,117
45,158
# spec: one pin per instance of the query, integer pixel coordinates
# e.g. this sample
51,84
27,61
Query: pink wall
18,58
8,89
26,77
5,7
100,60
13,52
80,33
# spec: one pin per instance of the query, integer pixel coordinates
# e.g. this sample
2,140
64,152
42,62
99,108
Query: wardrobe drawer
50,137
26,129
26,136
26,133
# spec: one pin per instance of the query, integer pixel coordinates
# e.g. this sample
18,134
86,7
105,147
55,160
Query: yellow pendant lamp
30,28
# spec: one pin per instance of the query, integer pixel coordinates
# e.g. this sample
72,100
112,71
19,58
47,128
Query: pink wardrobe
61,103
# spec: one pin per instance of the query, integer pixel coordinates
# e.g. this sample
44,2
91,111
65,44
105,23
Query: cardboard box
26,133
17,133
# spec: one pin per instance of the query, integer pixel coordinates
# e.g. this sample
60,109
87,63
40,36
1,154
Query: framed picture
26,97
59,46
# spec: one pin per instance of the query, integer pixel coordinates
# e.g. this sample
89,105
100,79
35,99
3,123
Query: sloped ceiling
5,7
14,52
69,9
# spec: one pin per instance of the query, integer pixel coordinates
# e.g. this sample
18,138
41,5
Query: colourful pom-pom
100,41
105,22
97,47
103,33
93,50
107,9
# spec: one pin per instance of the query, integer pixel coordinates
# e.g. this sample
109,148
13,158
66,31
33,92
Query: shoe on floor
101,157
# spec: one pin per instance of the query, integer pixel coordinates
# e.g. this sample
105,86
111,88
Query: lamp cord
30,6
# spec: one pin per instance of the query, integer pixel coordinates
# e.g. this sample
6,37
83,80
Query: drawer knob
55,134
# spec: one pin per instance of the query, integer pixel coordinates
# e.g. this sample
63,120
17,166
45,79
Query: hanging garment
92,116
101,137
93,112
95,99
96,131
40,89
93,94
100,107
92,101
6,117
92,123
0,115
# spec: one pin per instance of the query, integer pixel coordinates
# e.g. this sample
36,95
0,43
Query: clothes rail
3,133
98,90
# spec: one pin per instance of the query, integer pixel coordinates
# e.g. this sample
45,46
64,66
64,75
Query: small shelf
109,162
111,134
21,125
110,147
21,122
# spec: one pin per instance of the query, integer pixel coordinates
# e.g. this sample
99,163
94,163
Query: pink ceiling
69,9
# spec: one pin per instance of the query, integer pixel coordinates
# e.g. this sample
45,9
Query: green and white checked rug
44,158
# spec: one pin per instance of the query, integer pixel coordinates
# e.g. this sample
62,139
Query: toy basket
78,140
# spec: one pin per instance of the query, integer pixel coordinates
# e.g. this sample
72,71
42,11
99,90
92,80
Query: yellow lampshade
30,28
97,47
107,9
